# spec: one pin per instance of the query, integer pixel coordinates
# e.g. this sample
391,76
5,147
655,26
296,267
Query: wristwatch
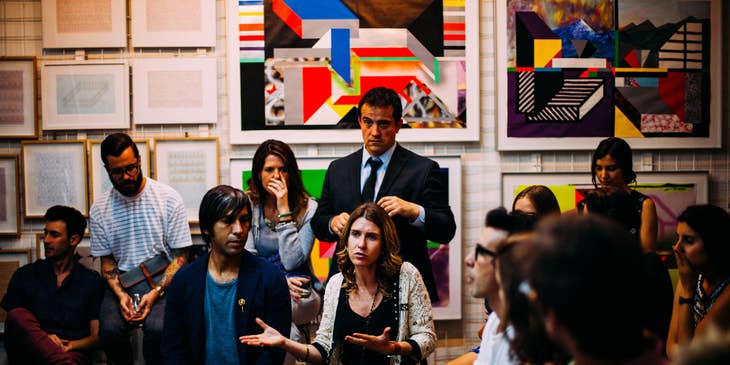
160,291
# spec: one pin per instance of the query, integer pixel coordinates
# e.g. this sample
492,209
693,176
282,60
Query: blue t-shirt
221,343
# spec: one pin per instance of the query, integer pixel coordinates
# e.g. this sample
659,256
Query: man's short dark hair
75,221
589,273
220,202
382,97
115,143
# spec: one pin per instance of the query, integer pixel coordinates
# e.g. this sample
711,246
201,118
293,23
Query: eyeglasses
131,170
479,250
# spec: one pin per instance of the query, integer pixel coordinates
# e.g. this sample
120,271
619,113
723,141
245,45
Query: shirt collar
385,157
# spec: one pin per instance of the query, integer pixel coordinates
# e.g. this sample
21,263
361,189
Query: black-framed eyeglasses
479,250
131,170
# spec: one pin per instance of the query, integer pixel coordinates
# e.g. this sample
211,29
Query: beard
128,187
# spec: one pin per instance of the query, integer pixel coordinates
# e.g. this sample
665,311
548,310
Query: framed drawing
173,23
9,195
84,23
18,107
88,95
188,165
446,260
54,172
98,177
83,250
671,192
175,90
11,259
300,70
573,74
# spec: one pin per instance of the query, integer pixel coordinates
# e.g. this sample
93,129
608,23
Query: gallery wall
481,164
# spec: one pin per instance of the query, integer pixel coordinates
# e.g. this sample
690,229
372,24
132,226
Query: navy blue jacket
266,295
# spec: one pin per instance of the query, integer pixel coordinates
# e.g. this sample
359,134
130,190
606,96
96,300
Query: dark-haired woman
612,165
375,309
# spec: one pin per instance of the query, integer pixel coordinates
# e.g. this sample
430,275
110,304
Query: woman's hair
710,222
297,194
620,151
541,197
389,261
614,203
529,342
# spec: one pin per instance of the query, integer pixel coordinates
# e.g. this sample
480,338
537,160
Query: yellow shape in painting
545,50
564,193
341,109
623,127
320,266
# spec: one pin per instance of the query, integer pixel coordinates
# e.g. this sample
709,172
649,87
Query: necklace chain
367,321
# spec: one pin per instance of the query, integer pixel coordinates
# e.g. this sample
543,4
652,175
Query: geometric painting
445,259
671,192
641,70
305,68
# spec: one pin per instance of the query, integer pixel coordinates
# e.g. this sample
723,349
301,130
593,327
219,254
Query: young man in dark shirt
53,303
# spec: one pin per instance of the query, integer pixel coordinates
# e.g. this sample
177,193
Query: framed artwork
11,259
98,178
175,90
300,70
9,195
574,74
188,165
84,23
672,192
446,260
83,250
54,172
18,106
173,23
88,95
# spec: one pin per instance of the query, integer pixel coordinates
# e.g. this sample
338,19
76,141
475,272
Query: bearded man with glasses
140,230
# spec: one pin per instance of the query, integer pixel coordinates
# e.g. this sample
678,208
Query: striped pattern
525,92
684,49
572,102
251,30
138,228
454,28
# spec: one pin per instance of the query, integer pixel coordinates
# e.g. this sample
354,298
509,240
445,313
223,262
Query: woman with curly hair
376,308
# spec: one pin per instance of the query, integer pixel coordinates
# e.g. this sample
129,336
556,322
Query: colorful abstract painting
643,70
672,193
445,259
305,68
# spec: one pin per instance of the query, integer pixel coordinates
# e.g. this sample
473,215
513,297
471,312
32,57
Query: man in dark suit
216,299
409,187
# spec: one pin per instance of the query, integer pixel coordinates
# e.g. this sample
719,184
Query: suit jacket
410,177
266,295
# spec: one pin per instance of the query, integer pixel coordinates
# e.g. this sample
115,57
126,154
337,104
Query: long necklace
367,322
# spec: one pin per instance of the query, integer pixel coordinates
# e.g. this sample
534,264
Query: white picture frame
9,195
173,23
188,165
84,23
99,182
449,307
175,90
18,85
54,173
85,95
469,14
509,143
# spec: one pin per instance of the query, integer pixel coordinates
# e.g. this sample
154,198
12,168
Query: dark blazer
266,295
410,177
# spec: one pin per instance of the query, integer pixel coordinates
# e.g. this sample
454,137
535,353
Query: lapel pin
242,303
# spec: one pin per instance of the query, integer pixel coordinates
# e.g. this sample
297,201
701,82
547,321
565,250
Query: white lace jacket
415,322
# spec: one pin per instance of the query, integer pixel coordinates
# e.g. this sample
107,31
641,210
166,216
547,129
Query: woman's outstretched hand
270,337
380,343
